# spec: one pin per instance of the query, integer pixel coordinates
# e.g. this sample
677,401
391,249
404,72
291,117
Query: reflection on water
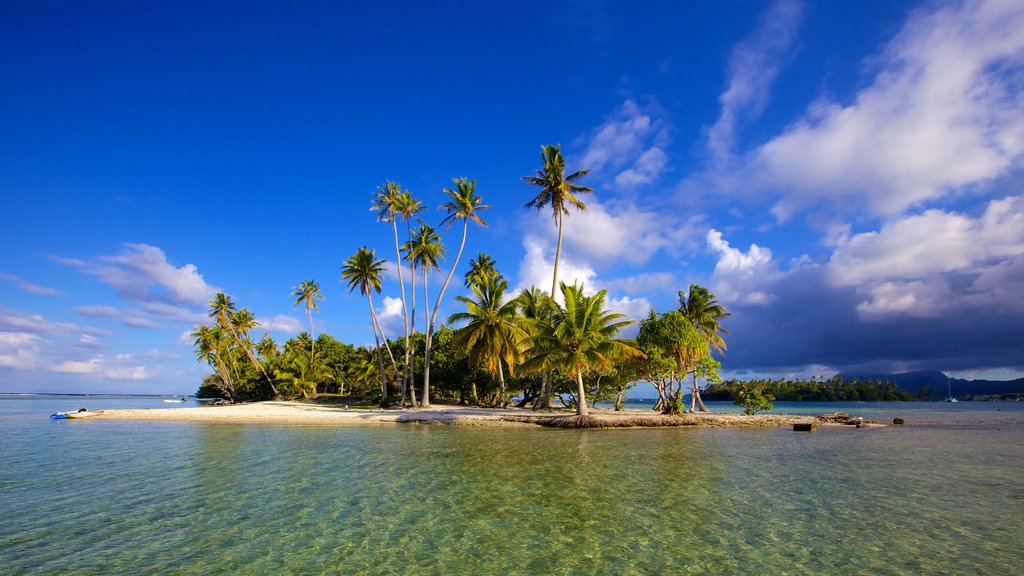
180,497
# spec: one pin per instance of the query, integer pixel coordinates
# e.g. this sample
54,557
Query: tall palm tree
222,309
210,347
424,251
308,292
387,202
705,313
558,191
481,271
580,337
464,205
407,207
363,270
494,332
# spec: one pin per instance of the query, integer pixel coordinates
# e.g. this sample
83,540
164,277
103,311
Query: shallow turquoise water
942,496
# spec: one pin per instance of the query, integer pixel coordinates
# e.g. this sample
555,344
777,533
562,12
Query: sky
844,176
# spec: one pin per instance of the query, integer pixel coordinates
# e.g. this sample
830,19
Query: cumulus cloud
19,350
537,265
629,148
943,114
608,233
753,66
281,323
645,282
28,286
937,262
741,277
16,321
143,274
389,315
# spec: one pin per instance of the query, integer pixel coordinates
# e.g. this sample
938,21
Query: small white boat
175,400
949,392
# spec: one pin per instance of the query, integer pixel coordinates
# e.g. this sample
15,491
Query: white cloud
389,315
606,233
15,321
28,286
173,312
19,350
90,366
740,277
281,323
537,265
629,147
944,113
133,319
911,265
141,273
753,66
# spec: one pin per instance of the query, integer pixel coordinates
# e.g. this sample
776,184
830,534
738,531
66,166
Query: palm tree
266,347
481,271
363,270
423,250
210,348
705,313
580,337
407,207
493,333
536,308
308,292
222,308
558,190
464,205
387,202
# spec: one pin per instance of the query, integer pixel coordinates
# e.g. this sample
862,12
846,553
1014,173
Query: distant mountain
936,382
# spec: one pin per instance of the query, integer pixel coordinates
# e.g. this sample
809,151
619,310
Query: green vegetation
835,389
527,345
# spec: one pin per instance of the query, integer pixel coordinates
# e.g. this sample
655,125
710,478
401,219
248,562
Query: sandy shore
302,413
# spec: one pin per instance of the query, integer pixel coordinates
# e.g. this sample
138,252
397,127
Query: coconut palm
493,333
700,308
464,205
211,347
580,337
536,307
363,270
387,202
308,292
223,310
705,313
423,250
481,271
558,191
407,207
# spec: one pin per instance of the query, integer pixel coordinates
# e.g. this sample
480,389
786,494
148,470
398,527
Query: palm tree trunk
501,387
380,358
256,363
581,397
312,340
405,308
426,343
695,396
410,354
433,317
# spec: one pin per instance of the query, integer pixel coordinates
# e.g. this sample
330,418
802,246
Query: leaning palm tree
494,332
210,348
464,205
222,309
580,337
407,207
481,271
308,292
705,313
363,270
558,191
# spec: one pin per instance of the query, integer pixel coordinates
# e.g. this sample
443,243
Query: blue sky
844,176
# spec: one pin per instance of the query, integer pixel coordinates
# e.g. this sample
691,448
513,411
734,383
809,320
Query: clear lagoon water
942,495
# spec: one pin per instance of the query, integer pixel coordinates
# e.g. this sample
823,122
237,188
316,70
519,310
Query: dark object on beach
810,427
897,421
840,418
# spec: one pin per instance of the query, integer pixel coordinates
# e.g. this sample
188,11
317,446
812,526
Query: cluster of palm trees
559,339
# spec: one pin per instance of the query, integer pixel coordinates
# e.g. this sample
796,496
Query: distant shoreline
312,414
